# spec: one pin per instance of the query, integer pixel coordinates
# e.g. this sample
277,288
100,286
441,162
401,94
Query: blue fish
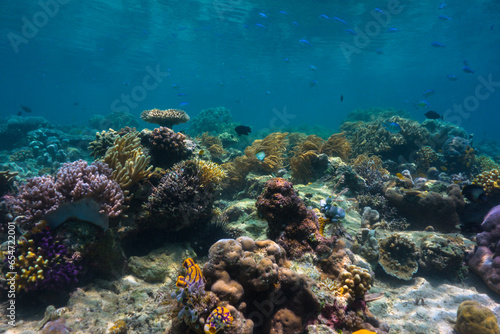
323,16
467,69
313,83
268,92
379,51
378,10
350,31
261,155
428,92
282,12
181,95
305,42
263,15
176,86
295,23
392,30
443,5
339,20
437,45
313,68
392,127
183,104
452,77
260,25
286,60
221,83
444,18
423,104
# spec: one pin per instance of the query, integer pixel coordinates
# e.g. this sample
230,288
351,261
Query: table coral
472,318
167,117
485,260
295,227
398,256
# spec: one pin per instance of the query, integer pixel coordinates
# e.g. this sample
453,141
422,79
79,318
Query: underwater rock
398,256
443,255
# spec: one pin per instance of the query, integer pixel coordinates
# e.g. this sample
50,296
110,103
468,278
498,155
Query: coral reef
443,256
428,208
355,281
485,260
486,163
337,146
473,318
127,160
295,227
6,179
167,117
372,114
398,256
166,146
306,158
103,141
212,120
114,120
213,144
459,154
74,181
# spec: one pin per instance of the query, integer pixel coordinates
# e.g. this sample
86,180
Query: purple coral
166,146
74,181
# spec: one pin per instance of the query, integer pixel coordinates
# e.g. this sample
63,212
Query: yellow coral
486,163
128,161
490,181
355,281
211,173
337,146
213,144
118,327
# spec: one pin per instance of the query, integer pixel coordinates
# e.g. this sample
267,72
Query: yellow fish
364,331
219,318
193,274
400,176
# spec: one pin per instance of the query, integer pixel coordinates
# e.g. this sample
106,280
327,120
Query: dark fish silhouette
242,130
19,113
433,115
76,104
25,108
341,98
474,193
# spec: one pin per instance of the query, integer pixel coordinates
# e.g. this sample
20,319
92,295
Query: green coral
473,318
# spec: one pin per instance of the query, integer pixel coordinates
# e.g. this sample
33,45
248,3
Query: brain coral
472,318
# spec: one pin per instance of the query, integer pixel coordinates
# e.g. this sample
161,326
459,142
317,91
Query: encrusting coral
128,161
398,256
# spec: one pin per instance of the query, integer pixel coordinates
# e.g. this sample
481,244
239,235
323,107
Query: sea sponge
167,117
473,318
398,256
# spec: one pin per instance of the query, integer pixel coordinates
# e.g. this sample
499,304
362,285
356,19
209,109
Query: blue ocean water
264,60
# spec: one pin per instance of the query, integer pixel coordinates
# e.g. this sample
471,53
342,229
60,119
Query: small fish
193,274
474,193
221,83
25,108
341,98
313,68
183,104
176,86
364,331
313,83
19,113
339,20
467,69
443,5
429,92
305,42
378,10
219,318
350,31
437,45
392,30
286,60
379,51
295,23
444,18
243,130
308,195
260,25
422,104
392,127
76,104
282,12
263,15
261,155
201,152
323,16
433,115
181,95
243,77
452,77
268,92
400,176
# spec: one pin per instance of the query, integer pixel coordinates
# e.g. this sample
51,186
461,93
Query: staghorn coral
128,161
490,181
167,117
166,146
337,146
398,256
373,138
103,141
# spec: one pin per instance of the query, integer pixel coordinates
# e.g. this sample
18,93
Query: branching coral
167,117
128,161
103,141
213,145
